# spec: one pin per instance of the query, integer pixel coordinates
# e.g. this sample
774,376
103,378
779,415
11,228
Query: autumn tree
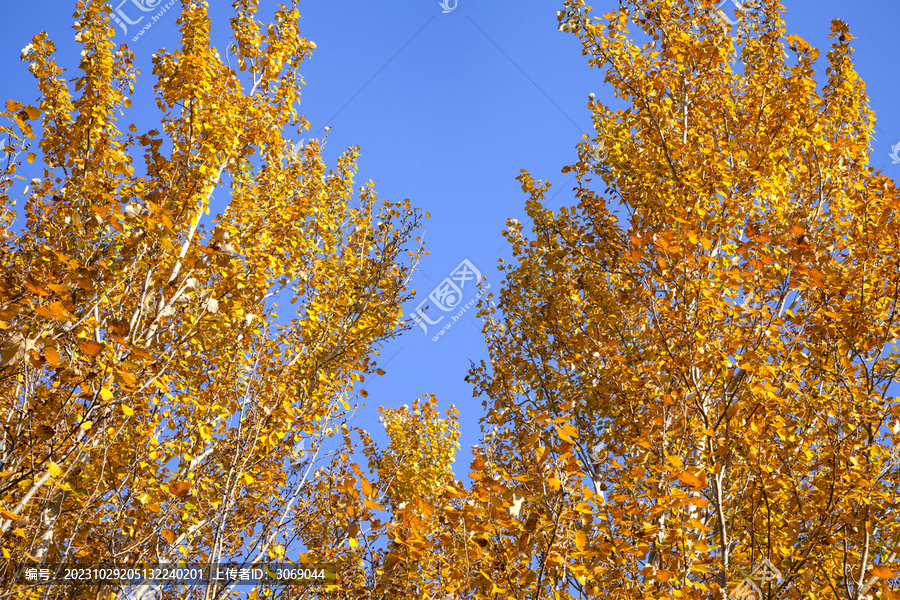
690,369
154,406
388,526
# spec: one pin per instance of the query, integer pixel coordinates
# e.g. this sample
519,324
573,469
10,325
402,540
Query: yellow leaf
155,507
371,504
106,395
663,576
30,157
580,540
699,501
353,543
169,535
567,433
9,515
54,469
127,410
675,461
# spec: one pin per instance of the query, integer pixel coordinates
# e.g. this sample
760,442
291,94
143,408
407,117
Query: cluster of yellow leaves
420,454
153,402
680,402
689,370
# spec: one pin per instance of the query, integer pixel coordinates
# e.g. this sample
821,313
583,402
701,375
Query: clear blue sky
447,107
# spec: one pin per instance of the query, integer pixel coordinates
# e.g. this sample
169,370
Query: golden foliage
689,370
153,401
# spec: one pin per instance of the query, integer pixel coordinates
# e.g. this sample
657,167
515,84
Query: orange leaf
40,291
180,488
91,348
126,378
699,501
690,479
883,572
52,356
54,310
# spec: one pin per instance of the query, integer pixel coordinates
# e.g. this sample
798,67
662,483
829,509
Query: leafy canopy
155,407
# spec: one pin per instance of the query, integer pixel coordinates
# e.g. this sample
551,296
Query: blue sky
447,108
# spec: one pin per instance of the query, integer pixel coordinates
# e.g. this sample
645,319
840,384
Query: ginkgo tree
154,406
693,370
